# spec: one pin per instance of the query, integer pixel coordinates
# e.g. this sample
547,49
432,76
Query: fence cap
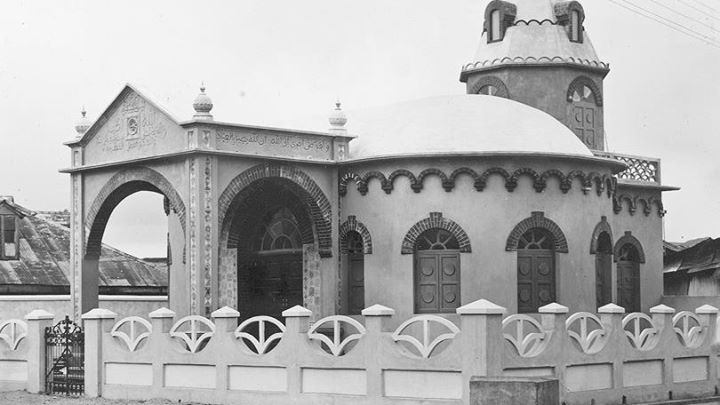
611,309
706,310
662,309
378,310
99,313
39,314
297,312
554,308
481,307
225,312
161,313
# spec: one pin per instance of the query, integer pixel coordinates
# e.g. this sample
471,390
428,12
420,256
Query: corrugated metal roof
701,255
45,259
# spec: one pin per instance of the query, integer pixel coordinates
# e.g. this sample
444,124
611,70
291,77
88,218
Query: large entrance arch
275,227
120,186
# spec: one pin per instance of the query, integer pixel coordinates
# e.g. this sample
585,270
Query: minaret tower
537,52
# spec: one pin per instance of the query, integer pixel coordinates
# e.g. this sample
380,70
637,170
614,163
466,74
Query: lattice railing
639,168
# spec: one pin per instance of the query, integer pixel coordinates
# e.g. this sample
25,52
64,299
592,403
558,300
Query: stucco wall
17,306
488,217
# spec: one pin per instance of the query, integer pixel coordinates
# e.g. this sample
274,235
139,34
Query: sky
272,61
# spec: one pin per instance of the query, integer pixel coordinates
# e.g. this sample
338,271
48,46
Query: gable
132,127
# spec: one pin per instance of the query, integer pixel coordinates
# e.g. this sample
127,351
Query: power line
668,23
685,15
697,9
705,5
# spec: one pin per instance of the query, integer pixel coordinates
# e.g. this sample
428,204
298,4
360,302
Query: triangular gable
7,208
132,127
117,101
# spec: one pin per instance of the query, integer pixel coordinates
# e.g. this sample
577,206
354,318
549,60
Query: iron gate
65,358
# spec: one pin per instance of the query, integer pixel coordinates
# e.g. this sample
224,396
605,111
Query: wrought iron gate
65,358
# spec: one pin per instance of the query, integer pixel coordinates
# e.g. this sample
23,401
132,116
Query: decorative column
96,323
37,321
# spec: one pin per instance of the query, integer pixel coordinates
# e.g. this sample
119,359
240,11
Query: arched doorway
437,272
536,270
273,235
603,270
628,268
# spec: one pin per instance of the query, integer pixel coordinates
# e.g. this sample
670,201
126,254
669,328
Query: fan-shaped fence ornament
426,347
688,328
528,337
133,339
12,332
591,340
337,344
640,331
200,331
262,343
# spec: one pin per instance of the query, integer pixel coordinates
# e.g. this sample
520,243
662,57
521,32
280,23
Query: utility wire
698,10
666,22
685,15
705,5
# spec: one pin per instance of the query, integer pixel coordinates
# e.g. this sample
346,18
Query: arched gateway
238,211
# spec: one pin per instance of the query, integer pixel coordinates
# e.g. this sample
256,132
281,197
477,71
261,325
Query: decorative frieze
207,235
632,203
194,307
601,183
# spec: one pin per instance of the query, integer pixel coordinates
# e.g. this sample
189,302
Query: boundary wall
603,358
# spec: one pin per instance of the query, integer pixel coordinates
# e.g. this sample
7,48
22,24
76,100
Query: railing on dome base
640,168
65,358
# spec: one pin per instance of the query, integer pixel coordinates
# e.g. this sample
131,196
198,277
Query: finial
84,124
337,120
202,105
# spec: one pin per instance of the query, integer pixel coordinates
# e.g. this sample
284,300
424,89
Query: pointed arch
435,220
537,220
626,239
602,226
352,224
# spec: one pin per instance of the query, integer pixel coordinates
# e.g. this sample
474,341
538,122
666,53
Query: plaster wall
17,306
488,217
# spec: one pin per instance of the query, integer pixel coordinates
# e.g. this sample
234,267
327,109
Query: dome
535,37
459,124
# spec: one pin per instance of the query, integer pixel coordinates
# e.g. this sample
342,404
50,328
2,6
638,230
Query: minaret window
584,93
571,15
575,27
495,26
8,237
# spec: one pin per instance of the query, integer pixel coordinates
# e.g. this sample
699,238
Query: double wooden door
437,281
536,279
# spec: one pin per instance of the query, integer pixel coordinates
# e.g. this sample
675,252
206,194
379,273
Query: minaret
203,105
537,52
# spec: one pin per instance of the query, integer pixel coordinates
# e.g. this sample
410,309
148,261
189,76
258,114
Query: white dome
459,124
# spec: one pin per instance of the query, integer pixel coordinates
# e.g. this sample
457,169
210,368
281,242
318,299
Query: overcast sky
274,60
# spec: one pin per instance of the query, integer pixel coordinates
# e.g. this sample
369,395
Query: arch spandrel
131,127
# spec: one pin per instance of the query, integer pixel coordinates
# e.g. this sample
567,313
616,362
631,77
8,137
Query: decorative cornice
601,183
632,203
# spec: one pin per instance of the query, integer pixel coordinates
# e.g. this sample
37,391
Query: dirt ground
23,398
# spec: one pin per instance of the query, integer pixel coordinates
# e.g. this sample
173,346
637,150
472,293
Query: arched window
355,273
575,26
536,269
281,232
628,268
584,111
489,90
494,31
437,272
603,270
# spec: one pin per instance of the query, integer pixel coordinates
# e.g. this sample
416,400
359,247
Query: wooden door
356,283
629,285
536,279
437,281
603,278
584,125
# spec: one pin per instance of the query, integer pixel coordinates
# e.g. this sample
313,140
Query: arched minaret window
583,112
570,14
495,26
575,27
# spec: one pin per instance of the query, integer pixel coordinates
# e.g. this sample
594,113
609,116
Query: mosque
505,192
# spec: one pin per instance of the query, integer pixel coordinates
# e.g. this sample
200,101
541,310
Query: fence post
481,341
376,317
37,321
297,323
611,316
162,320
662,318
708,317
225,320
552,318
95,322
